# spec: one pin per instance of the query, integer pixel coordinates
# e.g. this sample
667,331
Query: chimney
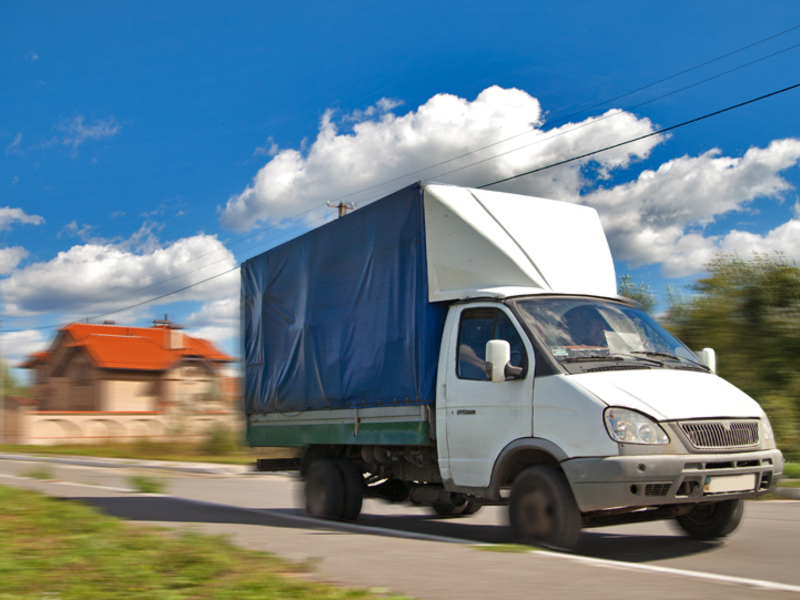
175,339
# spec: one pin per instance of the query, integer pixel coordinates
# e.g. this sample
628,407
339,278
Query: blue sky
148,146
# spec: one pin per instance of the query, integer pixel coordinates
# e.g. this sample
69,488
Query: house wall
122,391
85,404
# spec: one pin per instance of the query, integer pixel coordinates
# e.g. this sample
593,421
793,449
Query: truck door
483,417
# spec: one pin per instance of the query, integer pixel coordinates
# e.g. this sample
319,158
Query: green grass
39,473
63,549
147,485
791,470
170,451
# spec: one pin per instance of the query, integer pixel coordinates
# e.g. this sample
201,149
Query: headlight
630,427
768,435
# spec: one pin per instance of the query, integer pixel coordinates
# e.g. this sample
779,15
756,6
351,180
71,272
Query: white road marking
57,482
368,529
616,564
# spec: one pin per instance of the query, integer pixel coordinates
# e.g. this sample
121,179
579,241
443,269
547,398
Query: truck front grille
722,434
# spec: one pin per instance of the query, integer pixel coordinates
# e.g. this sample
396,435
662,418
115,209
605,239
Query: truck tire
714,520
324,490
353,489
542,509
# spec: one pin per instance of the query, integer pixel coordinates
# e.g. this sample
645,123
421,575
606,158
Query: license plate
732,483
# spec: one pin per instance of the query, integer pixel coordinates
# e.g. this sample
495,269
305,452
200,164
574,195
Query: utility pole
342,206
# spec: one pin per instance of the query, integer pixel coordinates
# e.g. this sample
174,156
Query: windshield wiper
650,360
672,356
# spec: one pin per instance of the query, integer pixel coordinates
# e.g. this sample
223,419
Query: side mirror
498,359
708,357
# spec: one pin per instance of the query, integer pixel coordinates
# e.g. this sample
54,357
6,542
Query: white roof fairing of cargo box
482,243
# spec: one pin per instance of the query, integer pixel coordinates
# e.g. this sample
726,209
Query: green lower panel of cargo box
405,433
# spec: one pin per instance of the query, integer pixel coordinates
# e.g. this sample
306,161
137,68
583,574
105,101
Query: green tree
749,312
11,387
640,292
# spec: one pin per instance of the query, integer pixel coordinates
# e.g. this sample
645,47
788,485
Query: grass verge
147,485
791,470
171,451
60,549
40,473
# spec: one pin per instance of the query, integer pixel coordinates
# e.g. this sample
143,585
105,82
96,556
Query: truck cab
613,418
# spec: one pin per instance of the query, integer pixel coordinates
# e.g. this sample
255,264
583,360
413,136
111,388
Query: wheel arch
520,454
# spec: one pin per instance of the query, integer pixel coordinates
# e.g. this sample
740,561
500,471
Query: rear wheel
353,489
324,490
542,509
713,520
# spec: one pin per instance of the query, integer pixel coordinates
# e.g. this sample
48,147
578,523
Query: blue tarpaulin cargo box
339,317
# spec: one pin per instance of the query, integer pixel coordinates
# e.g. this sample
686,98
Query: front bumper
655,480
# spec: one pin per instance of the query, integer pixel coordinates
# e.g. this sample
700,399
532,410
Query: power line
642,137
148,301
547,138
689,70
463,155
594,106
289,219
184,288
537,170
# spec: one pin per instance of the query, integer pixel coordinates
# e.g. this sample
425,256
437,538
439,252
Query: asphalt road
408,550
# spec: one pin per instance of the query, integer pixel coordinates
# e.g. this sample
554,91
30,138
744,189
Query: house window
83,374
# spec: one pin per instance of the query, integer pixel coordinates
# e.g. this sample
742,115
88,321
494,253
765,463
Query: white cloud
9,216
13,147
659,217
74,230
17,346
217,321
379,146
10,258
94,279
76,132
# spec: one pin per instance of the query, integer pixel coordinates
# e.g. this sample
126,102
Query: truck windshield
581,329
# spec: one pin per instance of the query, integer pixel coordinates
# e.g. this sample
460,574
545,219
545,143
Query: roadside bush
221,441
147,485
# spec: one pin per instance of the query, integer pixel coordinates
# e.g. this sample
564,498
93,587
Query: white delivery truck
458,347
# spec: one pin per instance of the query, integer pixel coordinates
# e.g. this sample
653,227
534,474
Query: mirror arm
512,371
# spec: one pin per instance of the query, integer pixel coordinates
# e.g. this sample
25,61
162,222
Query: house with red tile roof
112,382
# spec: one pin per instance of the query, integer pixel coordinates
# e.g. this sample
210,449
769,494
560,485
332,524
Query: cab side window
478,326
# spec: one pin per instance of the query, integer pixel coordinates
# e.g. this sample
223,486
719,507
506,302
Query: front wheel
542,509
713,520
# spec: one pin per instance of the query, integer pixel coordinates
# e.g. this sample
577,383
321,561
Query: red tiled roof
35,359
204,348
127,352
136,348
